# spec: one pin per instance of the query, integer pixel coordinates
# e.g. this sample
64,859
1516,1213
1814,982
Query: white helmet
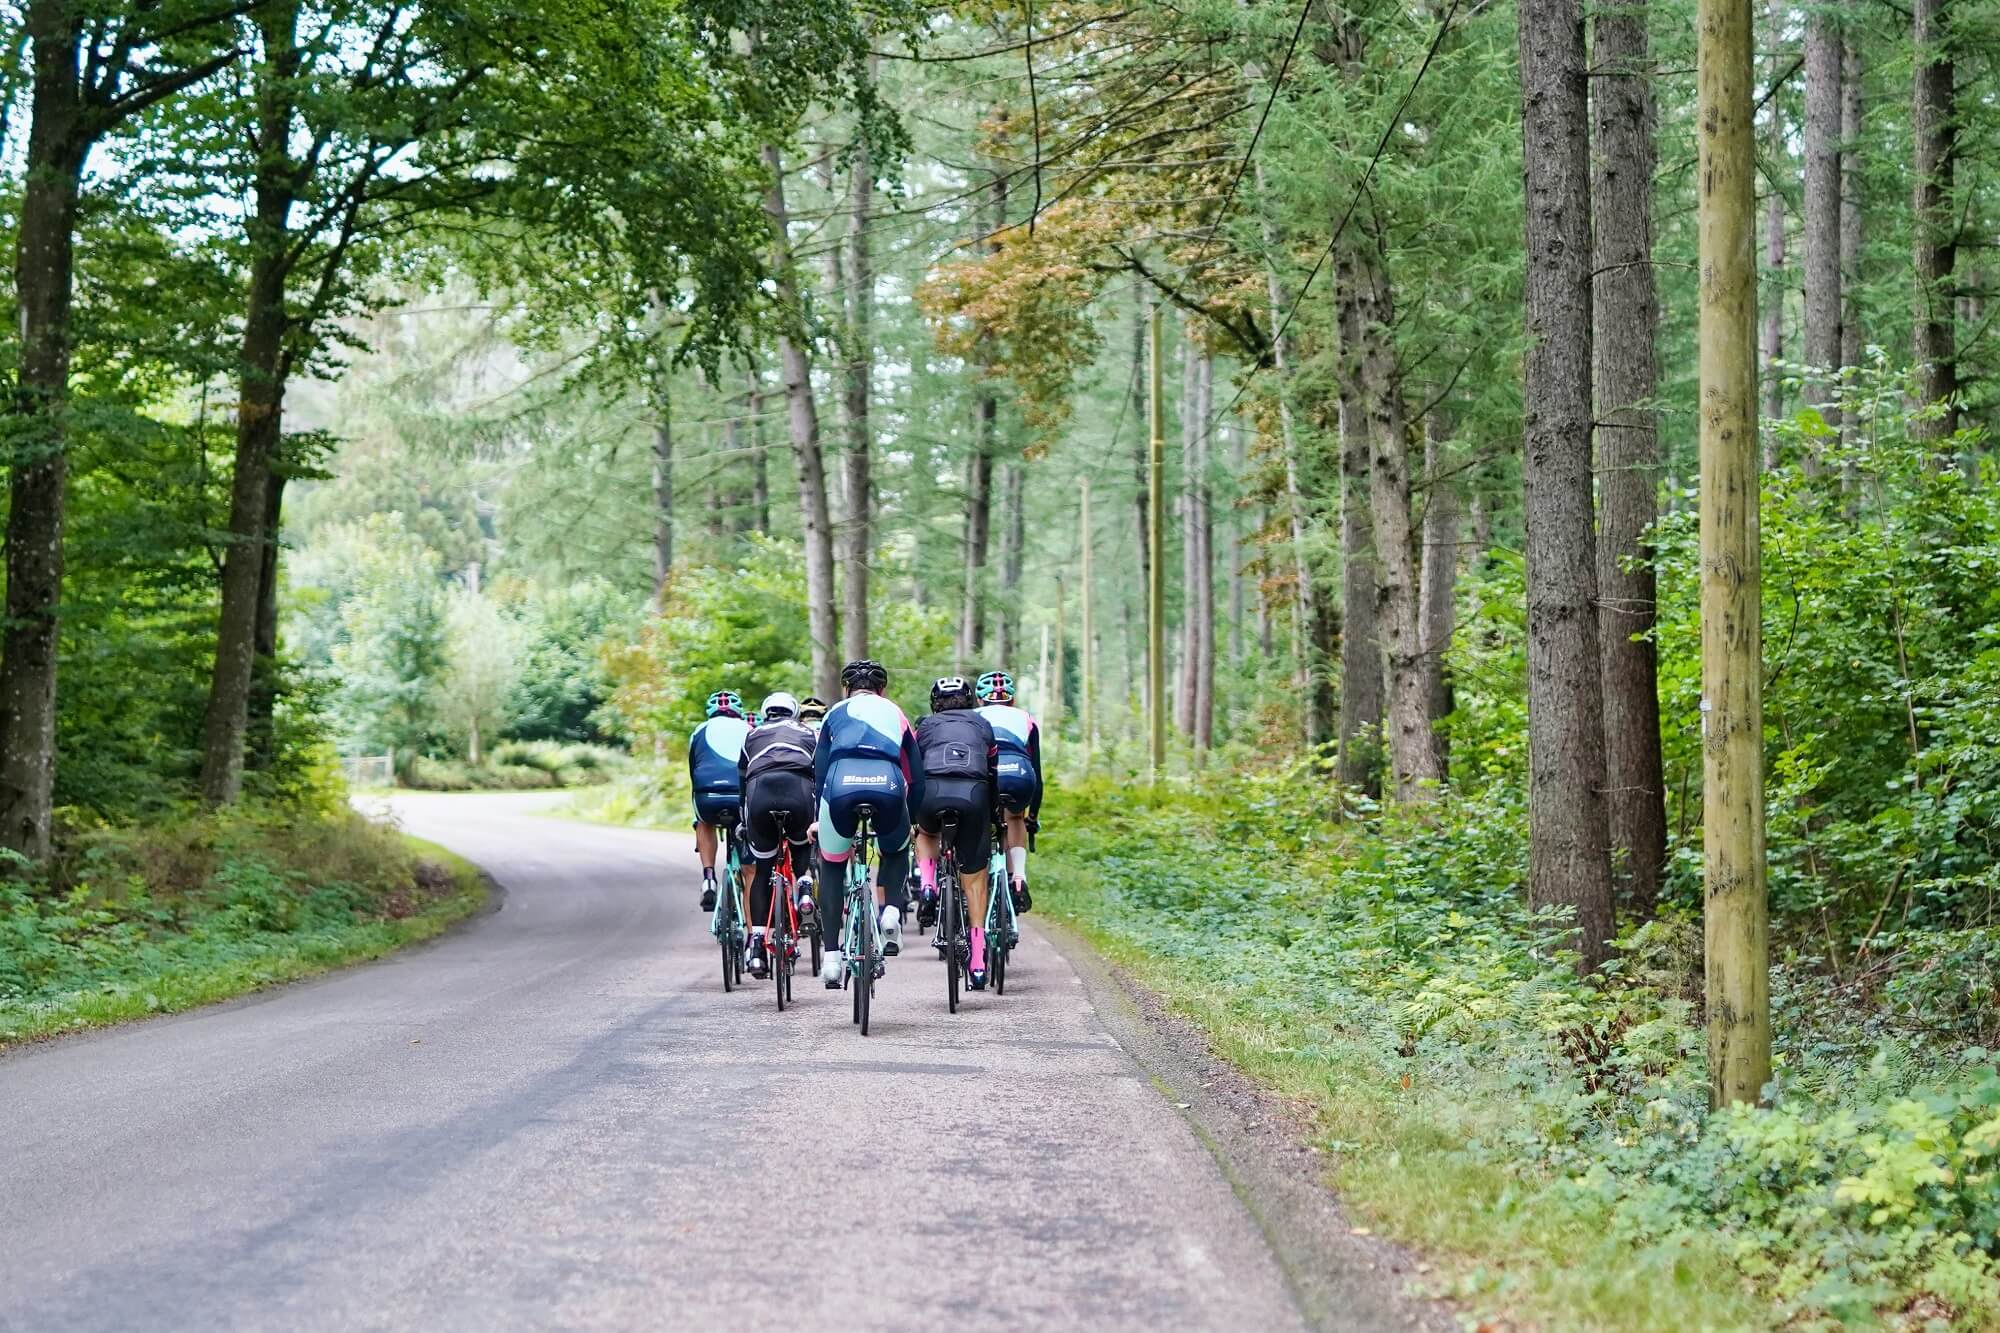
779,705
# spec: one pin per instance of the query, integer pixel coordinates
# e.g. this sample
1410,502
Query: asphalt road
554,1118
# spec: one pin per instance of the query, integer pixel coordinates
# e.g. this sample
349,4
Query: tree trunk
264,366
1360,649
1737,945
1774,256
1822,217
1850,212
1626,318
1139,437
260,741
1438,583
1413,754
1013,534
1184,691
37,476
978,530
1237,464
1316,720
1204,569
760,467
856,463
1936,223
802,415
663,486
1569,862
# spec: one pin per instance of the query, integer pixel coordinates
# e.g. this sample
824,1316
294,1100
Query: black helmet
866,674
950,692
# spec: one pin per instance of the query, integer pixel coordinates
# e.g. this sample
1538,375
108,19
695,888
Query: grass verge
1544,1141
155,921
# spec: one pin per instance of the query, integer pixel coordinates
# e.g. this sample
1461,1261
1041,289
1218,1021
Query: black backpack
955,744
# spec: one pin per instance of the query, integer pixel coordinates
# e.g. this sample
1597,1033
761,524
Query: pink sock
978,949
927,874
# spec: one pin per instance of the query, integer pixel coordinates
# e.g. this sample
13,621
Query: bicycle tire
996,966
865,992
727,937
953,915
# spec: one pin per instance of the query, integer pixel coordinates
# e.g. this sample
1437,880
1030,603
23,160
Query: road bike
1003,926
781,924
952,944
726,924
863,960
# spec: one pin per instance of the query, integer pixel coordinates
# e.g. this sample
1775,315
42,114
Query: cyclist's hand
1034,824
812,830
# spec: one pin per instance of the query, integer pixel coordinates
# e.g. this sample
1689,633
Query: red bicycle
781,926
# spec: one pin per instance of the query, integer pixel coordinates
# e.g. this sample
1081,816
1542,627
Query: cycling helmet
996,687
812,708
866,674
950,692
779,706
725,703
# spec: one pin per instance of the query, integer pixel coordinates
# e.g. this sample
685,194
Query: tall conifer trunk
1934,125
1822,215
1625,320
802,417
1569,862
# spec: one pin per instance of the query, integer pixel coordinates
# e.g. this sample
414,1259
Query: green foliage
391,642
1394,974
153,919
740,628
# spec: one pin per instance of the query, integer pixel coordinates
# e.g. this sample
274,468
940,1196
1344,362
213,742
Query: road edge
1338,1279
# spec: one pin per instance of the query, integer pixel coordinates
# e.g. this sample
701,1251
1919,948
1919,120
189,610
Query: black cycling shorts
716,808
774,793
969,799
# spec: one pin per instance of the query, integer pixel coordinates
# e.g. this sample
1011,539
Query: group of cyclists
798,773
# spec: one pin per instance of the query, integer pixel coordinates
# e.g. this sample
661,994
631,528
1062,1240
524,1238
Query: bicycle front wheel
725,934
864,986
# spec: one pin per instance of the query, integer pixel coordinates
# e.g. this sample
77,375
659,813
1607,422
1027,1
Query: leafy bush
1393,975
135,920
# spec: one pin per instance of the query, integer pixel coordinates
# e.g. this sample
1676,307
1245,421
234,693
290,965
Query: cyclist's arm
1035,761
822,756
913,765
694,764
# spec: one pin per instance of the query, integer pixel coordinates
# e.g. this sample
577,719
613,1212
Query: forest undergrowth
161,917
1547,1137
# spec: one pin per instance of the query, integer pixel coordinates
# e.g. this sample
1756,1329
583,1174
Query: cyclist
867,757
712,754
776,773
1020,768
960,758
812,711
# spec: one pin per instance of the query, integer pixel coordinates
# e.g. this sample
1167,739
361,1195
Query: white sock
1017,863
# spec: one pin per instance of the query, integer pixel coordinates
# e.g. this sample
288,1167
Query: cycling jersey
868,727
713,752
785,746
1020,758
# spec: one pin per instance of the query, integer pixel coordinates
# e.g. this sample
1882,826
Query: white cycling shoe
892,932
830,967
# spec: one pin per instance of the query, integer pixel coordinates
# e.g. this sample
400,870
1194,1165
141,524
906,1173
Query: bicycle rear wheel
864,990
952,914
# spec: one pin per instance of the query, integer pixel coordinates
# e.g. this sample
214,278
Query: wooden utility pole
1089,635
1156,588
1737,944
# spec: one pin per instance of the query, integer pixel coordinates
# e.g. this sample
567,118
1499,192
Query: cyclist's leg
760,830
837,826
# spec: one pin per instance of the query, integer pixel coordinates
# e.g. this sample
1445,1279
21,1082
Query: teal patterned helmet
725,703
996,687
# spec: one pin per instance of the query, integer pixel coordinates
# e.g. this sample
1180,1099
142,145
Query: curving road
554,1118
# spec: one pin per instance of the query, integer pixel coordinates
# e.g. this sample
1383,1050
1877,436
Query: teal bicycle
726,922
863,958
1003,925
